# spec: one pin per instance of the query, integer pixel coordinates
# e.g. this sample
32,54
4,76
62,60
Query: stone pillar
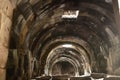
6,11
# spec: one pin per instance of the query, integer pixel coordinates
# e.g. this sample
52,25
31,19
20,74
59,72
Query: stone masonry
6,12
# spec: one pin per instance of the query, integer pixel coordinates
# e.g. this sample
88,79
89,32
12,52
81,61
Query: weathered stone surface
3,56
2,74
5,24
4,29
6,8
4,39
14,3
6,11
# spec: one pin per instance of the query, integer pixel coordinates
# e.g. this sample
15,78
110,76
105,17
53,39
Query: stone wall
6,11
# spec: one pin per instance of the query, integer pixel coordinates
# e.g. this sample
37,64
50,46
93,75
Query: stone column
6,11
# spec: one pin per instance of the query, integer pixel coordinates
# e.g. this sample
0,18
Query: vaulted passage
70,38
63,68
